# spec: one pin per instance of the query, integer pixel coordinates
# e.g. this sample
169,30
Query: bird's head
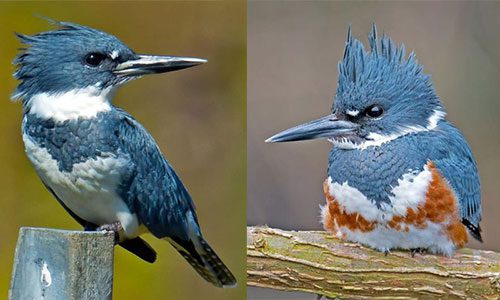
381,95
78,58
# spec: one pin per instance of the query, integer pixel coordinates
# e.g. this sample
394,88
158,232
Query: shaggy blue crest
384,60
384,76
53,61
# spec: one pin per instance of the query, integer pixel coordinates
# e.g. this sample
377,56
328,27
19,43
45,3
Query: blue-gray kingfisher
101,164
399,176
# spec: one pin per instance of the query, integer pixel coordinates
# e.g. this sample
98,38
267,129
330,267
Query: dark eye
374,111
94,59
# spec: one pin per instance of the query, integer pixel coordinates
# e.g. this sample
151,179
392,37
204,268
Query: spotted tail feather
205,261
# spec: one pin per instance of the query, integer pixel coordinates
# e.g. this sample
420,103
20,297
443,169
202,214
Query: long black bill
150,64
326,127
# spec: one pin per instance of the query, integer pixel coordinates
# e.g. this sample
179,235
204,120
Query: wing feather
152,188
154,191
453,158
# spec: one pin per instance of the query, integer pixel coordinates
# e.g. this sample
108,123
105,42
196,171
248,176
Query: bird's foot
420,251
114,227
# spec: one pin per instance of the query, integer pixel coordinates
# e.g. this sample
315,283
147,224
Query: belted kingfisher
101,164
399,176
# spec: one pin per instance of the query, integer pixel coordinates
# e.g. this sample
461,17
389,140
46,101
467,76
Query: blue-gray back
149,186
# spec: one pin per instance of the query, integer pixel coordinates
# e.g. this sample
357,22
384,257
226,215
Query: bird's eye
374,111
94,59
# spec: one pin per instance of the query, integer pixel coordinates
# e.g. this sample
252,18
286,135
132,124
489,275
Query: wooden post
318,263
62,265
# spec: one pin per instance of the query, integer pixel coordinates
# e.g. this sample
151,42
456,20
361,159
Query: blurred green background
197,116
293,50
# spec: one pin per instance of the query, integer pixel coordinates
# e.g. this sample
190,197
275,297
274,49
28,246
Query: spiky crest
47,53
384,57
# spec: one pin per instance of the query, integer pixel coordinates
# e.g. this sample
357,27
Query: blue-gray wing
156,194
454,159
151,187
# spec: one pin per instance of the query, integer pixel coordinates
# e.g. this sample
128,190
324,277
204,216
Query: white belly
384,238
89,190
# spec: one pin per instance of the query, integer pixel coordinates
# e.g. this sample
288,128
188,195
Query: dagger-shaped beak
151,64
326,127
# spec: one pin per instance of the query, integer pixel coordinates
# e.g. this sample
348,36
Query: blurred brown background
197,116
293,50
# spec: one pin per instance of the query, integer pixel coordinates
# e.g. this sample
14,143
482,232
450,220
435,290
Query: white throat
79,103
376,139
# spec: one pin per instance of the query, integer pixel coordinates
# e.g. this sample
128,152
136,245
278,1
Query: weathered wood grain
318,263
62,265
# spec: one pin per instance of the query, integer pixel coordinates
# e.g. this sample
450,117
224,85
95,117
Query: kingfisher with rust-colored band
400,176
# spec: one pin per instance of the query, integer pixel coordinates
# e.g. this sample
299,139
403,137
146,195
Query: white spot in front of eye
114,54
352,113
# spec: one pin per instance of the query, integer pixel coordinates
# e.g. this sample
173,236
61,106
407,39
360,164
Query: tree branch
316,262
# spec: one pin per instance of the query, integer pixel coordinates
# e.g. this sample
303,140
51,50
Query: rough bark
318,263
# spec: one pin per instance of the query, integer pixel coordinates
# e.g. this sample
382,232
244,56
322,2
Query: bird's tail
204,260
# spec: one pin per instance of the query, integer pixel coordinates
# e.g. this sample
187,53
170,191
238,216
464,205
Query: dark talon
420,251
